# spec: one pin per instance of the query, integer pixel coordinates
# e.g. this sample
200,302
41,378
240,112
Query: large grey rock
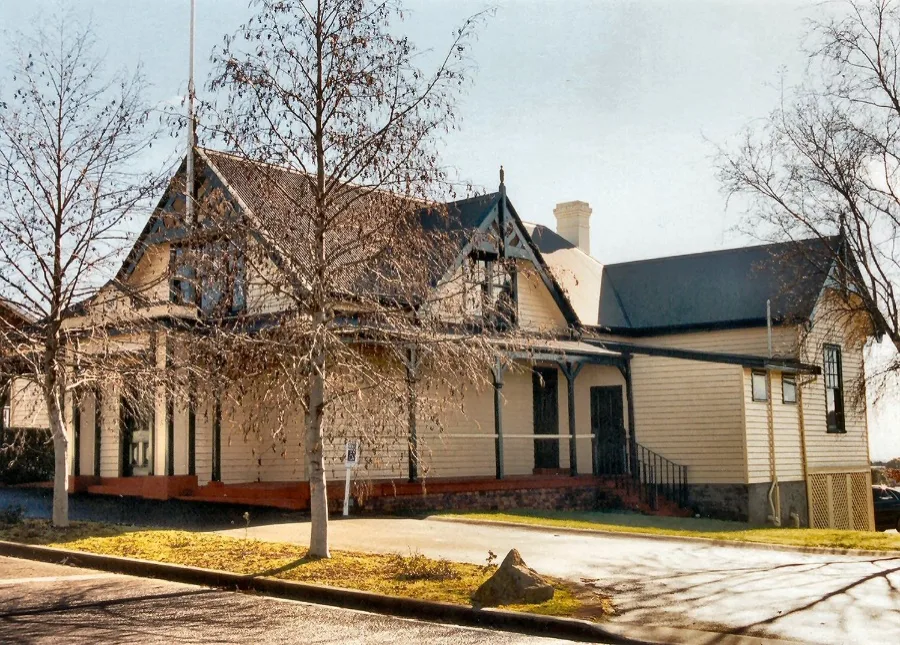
513,583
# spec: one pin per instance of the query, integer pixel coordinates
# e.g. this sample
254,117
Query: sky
619,103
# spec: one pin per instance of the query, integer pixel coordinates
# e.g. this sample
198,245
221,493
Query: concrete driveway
756,592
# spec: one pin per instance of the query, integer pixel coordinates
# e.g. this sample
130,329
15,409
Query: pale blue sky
611,102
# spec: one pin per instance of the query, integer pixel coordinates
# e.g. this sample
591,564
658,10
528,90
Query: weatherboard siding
110,445
240,446
690,412
747,340
538,310
786,431
834,450
462,445
203,419
27,407
150,277
87,407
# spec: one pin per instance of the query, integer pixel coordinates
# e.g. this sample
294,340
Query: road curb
673,538
530,624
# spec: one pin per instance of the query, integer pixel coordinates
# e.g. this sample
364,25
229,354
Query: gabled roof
726,288
270,194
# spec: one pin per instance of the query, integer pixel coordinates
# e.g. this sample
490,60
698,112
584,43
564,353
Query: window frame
199,291
498,301
840,424
792,379
765,396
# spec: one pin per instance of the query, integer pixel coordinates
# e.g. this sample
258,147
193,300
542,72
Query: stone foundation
582,498
720,501
748,502
793,500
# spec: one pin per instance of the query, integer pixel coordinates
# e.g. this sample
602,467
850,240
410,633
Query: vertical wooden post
98,428
170,435
497,371
217,441
76,439
5,387
192,430
571,370
412,367
170,414
629,399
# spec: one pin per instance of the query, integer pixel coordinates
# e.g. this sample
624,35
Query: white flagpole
189,188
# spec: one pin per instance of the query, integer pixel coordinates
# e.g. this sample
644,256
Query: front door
607,424
136,444
545,391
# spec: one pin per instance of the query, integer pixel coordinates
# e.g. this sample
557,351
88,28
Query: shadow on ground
170,514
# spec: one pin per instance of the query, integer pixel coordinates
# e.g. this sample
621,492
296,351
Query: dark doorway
545,392
136,445
607,423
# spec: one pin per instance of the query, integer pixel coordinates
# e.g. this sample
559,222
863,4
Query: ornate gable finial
502,176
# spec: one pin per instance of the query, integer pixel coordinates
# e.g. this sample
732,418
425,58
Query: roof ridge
753,247
301,173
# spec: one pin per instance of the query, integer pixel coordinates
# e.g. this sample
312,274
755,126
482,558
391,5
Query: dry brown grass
410,576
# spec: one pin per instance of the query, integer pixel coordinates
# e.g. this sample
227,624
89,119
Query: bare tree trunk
61,459
318,497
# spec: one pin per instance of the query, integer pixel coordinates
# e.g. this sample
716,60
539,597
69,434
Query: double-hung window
788,388
758,383
834,388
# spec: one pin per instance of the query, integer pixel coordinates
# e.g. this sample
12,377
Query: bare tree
333,129
71,183
825,163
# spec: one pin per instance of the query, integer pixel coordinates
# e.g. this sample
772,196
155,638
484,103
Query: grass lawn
412,576
691,527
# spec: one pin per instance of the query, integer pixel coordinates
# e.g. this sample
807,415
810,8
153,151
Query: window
497,292
760,392
211,277
788,388
882,494
184,278
834,388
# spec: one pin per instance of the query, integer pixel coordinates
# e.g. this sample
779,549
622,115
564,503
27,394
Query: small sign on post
351,459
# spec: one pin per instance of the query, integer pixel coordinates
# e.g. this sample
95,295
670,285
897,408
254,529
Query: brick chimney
573,222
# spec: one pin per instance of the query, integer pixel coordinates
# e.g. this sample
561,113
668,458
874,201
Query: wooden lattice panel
859,495
840,501
818,502
840,506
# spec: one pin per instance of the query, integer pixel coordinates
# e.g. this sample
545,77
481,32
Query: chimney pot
573,223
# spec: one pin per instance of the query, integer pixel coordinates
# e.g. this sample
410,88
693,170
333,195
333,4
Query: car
887,508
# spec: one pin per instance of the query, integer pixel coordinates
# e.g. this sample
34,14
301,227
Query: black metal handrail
647,472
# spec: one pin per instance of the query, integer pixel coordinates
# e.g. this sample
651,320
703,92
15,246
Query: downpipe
774,515
774,492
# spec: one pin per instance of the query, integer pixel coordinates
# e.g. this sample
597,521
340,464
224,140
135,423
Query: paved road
45,603
806,597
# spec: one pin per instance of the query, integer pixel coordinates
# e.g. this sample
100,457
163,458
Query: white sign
351,456
351,459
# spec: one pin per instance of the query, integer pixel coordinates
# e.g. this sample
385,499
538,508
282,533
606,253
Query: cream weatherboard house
656,384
